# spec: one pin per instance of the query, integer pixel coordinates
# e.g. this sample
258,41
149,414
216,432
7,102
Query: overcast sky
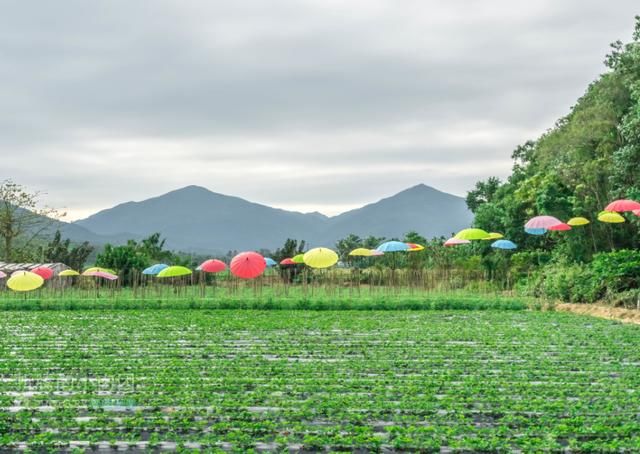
307,105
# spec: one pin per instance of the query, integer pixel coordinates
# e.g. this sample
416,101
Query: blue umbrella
393,246
531,231
270,261
155,269
504,244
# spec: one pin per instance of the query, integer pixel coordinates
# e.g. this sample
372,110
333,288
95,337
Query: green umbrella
298,259
471,234
174,271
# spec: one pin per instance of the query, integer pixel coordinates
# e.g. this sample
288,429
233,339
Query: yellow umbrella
25,281
320,258
361,252
174,271
69,273
610,217
578,221
494,236
97,269
471,234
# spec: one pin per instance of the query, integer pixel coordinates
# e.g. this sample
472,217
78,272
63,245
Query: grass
484,380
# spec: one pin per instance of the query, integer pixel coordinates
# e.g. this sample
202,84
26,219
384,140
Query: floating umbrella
361,252
68,273
25,281
270,262
562,227
288,261
212,266
298,259
504,244
153,270
455,242
320,258
578,221
531,231
610,217
102,274
471,234
623,205
44,272
415,247
248,265
175,271
494,236
542,222
376,253
2,275
393,246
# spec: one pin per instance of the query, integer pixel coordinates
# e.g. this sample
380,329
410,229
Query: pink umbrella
213,266
455,242
2,275
248,265
44,272
562,227
288,261
623,205
542,222
102,274
636,212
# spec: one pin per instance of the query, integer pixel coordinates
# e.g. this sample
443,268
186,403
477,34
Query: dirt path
597,310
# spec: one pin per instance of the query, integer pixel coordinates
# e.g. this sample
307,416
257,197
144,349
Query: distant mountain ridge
196,219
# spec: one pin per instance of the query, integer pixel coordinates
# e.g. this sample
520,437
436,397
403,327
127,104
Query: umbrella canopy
471,234
99,269
393,246
248,265
44,272
320,257
102,274
270,262
67,273
494,236
376,253
535,231
298,259
578,221
288,261
542,222
504,244
25,281
610,217
2,275
415,247
623,205
361,252
455,241
212,266
562,227
155,269
175,271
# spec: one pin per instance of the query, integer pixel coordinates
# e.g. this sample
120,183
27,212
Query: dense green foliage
63,251
462,381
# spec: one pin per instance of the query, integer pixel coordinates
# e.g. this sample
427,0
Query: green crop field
312,380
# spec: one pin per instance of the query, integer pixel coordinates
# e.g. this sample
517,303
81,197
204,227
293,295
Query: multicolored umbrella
455,242
471,234
68,273
415,247
174,271
494,236
578,221
320,258
542,222
610,217
25,281
287,261
102,274
504,244
623,205
44,272
213,266
248,265
535,231
153,270
361,252
298,259
393,246
562,227
270,262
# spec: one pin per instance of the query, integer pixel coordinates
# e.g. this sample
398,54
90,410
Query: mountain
196,219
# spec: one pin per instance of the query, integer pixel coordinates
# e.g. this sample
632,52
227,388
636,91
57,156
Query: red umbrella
248,265
288,261
562,227
213,266
623,205
44,272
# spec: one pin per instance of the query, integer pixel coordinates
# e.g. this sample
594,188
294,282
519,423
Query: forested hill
587,159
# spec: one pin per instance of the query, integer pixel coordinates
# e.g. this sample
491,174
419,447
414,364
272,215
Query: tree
348,244
59,251
123,259
22,221
484,192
